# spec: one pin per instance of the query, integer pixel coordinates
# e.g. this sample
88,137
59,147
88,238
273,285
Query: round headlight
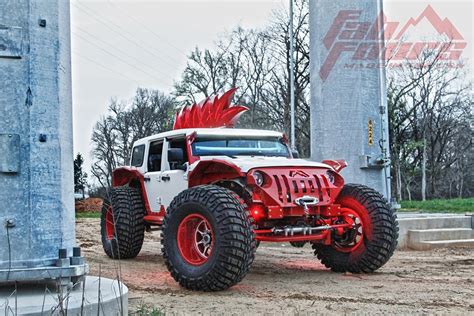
258,177
330,176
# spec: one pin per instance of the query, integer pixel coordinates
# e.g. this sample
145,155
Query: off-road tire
234,240
373,253
255,242
129,228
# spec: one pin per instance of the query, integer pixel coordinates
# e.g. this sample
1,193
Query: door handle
146,179
166,178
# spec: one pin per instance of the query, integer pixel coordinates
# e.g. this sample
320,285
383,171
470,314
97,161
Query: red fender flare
133,177
209,171
337,165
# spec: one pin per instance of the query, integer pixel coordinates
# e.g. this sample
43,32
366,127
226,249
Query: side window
180,143
137,156
154,156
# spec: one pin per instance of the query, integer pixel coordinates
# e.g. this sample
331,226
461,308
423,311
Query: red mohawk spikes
213,111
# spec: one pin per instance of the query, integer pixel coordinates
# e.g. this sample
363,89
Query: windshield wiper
227,155
251,153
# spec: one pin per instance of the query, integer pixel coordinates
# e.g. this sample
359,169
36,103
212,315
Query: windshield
270,147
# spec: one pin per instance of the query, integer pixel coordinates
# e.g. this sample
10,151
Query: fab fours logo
363,41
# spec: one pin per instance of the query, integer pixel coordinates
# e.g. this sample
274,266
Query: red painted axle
278,238
323,234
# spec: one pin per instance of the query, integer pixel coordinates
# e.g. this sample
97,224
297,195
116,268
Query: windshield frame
281,140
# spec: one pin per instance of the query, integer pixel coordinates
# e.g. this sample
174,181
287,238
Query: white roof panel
212,132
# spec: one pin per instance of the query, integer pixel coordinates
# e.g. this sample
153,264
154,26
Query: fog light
257,211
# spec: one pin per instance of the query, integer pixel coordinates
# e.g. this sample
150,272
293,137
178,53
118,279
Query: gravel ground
287,280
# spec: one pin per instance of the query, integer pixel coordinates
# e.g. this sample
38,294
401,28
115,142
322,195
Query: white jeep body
215,193
164,184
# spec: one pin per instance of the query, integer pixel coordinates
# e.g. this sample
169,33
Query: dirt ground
287,280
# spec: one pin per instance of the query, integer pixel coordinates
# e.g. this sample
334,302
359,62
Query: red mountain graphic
441,26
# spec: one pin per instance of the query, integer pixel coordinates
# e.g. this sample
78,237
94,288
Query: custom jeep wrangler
216,192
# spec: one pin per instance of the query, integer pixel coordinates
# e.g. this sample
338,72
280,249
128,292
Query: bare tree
258,62
430,106
149,112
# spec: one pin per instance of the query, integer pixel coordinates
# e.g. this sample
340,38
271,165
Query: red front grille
290,184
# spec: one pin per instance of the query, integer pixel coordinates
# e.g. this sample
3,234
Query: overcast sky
120,45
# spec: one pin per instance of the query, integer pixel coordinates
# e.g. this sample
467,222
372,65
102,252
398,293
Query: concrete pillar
348,93
36,152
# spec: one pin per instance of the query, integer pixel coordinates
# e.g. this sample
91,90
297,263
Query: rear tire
208,240
378,237
122,223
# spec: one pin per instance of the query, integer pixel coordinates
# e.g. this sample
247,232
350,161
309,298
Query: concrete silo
348,93
36,153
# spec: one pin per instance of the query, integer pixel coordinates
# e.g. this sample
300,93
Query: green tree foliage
80,177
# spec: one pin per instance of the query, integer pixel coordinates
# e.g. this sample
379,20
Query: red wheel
348,240
207,237
109,224
370,241
195,239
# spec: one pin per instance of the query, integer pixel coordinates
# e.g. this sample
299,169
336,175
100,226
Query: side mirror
175,155
295,153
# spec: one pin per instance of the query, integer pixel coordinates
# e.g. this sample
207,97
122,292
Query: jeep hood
247,163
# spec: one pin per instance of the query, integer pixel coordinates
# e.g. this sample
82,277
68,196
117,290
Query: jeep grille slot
287,186
311,186
319,187
295,186
278,184
303,186
326,184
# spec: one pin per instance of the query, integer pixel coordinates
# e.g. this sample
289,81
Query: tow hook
306,201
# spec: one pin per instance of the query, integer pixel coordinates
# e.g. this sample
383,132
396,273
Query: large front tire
208,241
371,244
122,223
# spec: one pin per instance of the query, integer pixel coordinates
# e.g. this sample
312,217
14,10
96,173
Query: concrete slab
416,221
418,235
428,245
95,296
428,215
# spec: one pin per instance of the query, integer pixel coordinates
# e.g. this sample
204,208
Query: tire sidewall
109,245
171,239
380,232
351,202
348,200
129,228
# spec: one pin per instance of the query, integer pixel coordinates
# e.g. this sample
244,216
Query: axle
298,233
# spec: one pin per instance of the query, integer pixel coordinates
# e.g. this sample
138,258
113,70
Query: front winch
306,201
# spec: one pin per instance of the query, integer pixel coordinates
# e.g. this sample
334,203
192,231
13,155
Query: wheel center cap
206,238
